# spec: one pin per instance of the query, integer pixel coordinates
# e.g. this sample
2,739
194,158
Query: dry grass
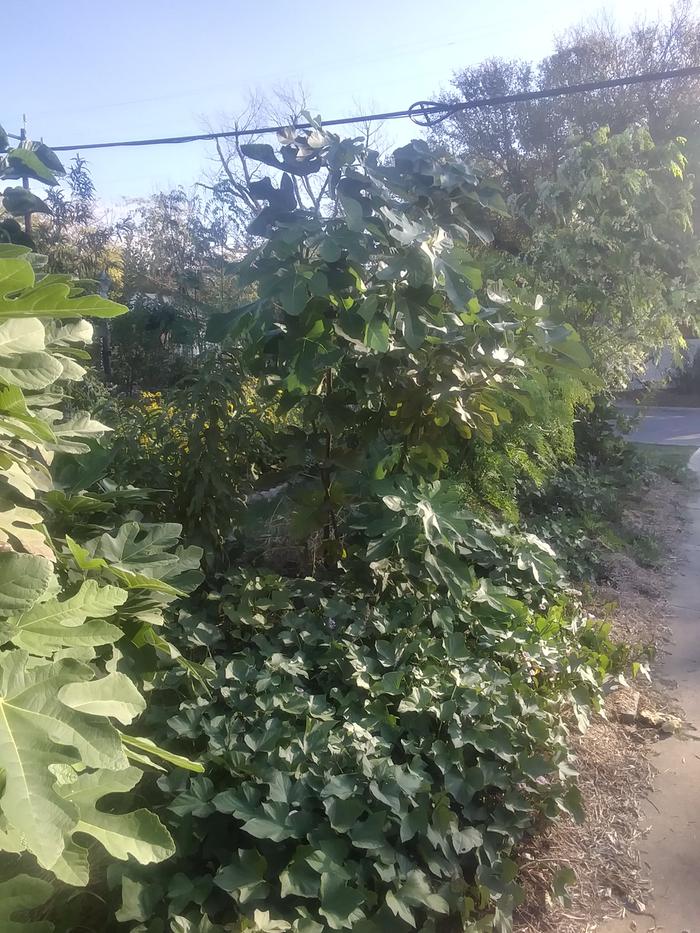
612,757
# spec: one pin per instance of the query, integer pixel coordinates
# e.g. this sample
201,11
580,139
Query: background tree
519,143
613,245
167,260
76,235
601,183
174,258
599,50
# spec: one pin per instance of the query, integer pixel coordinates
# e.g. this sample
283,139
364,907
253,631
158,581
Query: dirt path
671,849
646,599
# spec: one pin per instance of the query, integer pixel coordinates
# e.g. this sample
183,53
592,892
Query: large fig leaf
25,163
17,200
146,549
30,370
72,866
21,335
38,731
20,296
53,300
23,579
18,420
81,425
55,624
114,695
13,528
139,834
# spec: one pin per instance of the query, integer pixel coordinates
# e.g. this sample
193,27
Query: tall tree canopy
518,142
601,184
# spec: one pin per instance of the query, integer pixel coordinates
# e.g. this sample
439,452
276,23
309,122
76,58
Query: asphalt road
679,426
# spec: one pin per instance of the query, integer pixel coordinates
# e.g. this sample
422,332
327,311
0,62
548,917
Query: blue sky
88,70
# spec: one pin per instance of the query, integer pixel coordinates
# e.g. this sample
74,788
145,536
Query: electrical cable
424,112
430,112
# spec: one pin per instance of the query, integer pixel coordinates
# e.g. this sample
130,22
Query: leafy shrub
384,718
526,454
580,508
383,712
202,444
612,238
66,700
370,753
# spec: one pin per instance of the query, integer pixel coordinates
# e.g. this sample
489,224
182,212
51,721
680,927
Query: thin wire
231,134
423,110
426,113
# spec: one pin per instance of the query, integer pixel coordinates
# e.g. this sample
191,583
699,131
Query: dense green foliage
612,232
388,672
372,427
370,755
166,261
520,144
601,184
77,574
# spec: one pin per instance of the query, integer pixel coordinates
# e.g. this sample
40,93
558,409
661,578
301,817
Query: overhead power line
424,113
430,113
